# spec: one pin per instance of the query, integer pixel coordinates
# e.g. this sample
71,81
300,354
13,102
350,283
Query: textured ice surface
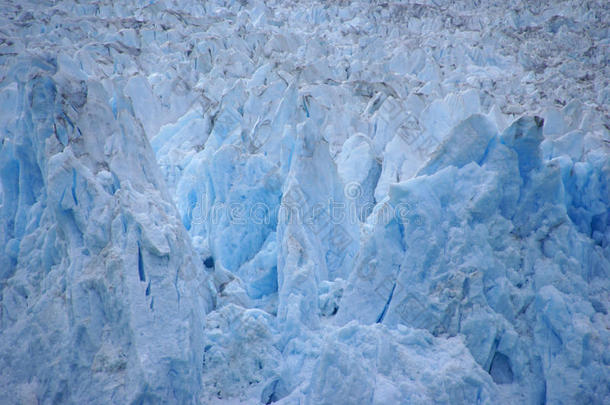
103,297
304,203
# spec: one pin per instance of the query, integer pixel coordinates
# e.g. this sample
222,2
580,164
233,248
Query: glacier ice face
445,264
330,203
103,297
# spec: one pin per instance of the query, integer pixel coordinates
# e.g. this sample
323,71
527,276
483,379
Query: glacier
231,202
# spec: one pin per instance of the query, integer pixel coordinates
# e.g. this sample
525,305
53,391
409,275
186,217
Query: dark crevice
141,264
387,304
500,370
273,392
209,262
74,186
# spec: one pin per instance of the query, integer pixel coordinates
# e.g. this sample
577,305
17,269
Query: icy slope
103,298
312,203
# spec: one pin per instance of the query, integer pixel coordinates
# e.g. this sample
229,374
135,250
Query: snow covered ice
230,202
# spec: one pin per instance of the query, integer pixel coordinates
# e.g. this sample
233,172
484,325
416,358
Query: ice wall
304,203
103,298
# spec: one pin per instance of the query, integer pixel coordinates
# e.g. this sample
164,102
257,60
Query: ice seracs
320,203
103,296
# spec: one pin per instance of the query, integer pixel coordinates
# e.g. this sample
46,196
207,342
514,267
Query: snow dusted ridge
304,203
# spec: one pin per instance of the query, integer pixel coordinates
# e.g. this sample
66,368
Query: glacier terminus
225,202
